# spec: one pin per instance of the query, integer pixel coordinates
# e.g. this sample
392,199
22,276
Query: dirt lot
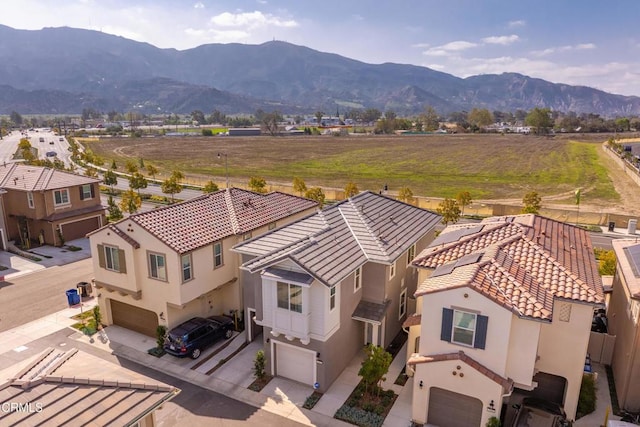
491,167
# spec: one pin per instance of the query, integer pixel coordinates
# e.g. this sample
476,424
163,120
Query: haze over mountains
64,70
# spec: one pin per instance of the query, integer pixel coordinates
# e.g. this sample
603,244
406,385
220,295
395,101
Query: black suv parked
194,335
537,412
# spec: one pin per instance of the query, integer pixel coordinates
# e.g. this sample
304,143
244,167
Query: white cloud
503,40
198,5
421,45
262,1
517,23
251,20
458,45
559,49
586,46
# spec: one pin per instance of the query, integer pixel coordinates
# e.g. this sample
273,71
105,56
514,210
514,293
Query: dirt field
491,167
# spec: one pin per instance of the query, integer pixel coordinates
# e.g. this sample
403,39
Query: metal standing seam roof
20,177
524,267
332,243
211,217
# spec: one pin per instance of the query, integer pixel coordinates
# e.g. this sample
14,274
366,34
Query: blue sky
588,42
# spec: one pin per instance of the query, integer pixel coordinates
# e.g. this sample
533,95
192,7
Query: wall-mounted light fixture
420,384
161,315
268,340
491,407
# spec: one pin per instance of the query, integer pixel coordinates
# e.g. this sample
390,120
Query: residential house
326,285
622,316
48,206
504,307
76,388
173,263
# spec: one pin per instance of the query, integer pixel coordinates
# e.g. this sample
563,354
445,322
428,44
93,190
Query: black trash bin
612,226
72,297
84,288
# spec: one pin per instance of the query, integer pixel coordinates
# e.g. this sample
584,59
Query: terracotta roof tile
506,383
533,260
211,217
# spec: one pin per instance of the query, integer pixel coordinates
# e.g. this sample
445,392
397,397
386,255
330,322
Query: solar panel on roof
633,256
469,259
455,235
444,269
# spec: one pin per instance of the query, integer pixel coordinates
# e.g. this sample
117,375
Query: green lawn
488,166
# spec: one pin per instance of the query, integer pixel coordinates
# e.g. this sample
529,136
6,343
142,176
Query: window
392,270
246,236
61,197
411,254
157,266
332,298
217,255
111,258
402,309
30,200
86,192
357,279
290,297
464,328
186,268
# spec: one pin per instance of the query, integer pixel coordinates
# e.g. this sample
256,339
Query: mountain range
65,70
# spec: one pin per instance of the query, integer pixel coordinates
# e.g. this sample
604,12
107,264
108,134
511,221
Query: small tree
464,199
92,172
350,190
115,214
606,262
141,163
131,166
449,210
97,317
114,166
152,171
210,187
137,181
161,334
315,193
110,178
258,365
375,366
299,185
532,203
171,186
130,202
406,195
177,175
258,184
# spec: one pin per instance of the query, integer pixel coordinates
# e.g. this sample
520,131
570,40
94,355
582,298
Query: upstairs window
392,271
411,254
290,297
357,280
157,266
111,258
332,298
217,255
187,274
464,328
402,309
86,192
30,200
61,197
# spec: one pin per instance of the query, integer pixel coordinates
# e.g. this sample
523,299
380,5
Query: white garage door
295,363
449,409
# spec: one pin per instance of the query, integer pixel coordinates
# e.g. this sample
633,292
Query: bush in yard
258,365
161,332
359,417
97,317
587,397
375,366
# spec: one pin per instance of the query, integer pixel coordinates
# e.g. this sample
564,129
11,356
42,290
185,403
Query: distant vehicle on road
41,139
51,142
60,139
51,154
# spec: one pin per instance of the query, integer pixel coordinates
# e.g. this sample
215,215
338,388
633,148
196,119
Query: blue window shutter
481,332
447,322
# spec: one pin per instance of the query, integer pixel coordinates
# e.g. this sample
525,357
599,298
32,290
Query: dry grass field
488,166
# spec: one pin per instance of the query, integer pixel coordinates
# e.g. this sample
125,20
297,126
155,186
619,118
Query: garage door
134,318
449,409
295,363
550,387
79,229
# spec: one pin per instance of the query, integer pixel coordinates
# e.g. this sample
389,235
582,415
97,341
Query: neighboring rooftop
521,262
628,255
332,243
76,388
211,217
17,176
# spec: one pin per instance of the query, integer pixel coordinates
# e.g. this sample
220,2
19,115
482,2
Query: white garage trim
305,360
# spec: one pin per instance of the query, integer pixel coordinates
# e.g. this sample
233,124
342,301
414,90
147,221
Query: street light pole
226,165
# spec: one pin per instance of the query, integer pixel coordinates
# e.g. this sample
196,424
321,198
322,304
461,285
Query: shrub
359,417
587,398
97,316
259,364
161,332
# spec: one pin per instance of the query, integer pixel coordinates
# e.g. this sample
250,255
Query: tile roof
211,217
527,260
332,243
370,311
99,392
628,256
506,383
17,176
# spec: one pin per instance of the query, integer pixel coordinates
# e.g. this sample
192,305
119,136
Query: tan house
48,206
72,387
173,263
324,286
504,307
623,314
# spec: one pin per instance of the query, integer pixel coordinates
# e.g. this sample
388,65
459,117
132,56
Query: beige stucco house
623,314
324,286
504,306
173,263
48,206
